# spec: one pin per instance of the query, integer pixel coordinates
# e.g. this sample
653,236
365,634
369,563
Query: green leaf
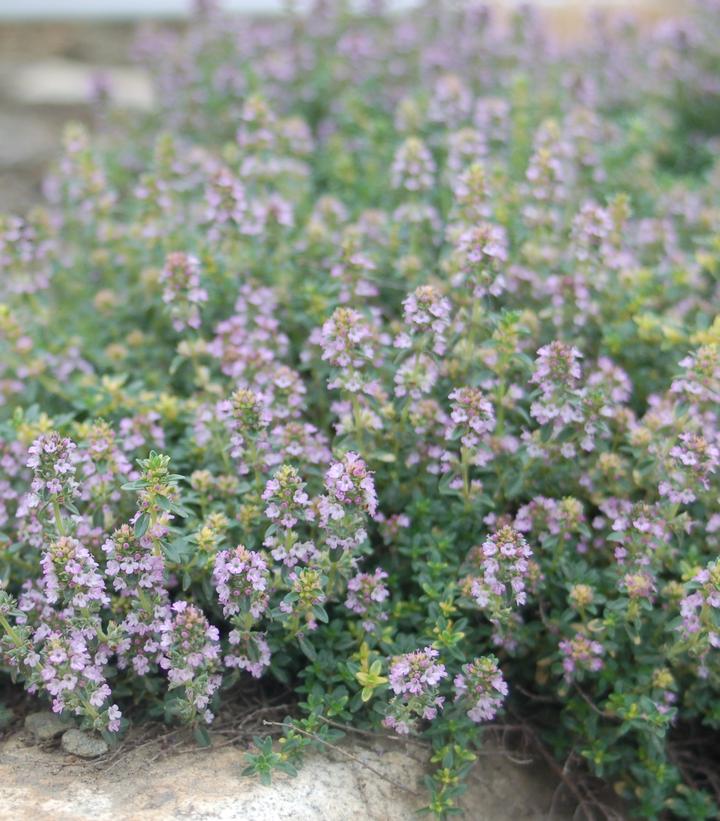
6,716
444,488
175,364
383,456
307,648
180,510
202,736
165,503
178,551
287,768
138,484
142,525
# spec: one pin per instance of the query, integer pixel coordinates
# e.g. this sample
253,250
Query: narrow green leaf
142,525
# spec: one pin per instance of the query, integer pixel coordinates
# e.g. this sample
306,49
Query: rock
68,82
83,745
45,726
379,784
29,140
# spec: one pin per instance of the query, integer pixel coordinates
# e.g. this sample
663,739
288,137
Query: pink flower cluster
286,497
426,311
53,459
557,374
131,564
481,686
348,343
472,416
504,559
700,612
414,679
70,575
581,654
366,594
479,256
182,290
190,655
241,580
349,482
73,675
413,167
692,463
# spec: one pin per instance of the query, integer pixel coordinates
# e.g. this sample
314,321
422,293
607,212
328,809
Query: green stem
90,710
255,464
558,551
10,630
21,563
101,634
145,601
357,411
500,404
226,460
465,470
153,510
59,524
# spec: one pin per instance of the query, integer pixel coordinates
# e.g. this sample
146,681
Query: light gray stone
26,138
58,81
45,726
379,784
83,745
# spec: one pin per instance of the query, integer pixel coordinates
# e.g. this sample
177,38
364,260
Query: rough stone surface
83,745
67,82
45,726
46,72
207,785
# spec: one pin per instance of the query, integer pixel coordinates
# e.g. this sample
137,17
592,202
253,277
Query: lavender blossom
481,686
53,460
580,654
70,575
182,291
414,678
190,656
366,593
241,580
504,562
349,482
413,167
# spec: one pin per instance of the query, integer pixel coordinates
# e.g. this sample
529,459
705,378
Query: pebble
45,726
83,745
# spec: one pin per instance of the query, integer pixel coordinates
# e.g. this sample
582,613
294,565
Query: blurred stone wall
47,69
46,75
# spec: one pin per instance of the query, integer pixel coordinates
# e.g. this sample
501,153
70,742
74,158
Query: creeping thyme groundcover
382,360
